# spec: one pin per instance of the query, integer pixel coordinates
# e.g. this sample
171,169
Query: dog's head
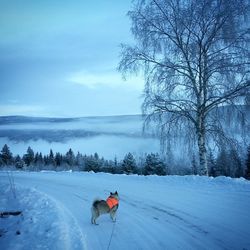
114,195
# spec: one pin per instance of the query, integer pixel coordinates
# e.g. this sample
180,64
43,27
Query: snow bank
43,223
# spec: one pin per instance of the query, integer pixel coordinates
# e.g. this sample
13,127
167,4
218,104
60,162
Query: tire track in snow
151,229
171,212
136,223
144,227
181,219
173,220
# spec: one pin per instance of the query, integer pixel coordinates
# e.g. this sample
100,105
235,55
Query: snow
171,212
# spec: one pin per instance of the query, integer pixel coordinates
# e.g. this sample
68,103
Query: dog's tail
95,202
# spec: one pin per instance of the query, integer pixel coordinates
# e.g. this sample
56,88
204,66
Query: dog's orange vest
111,201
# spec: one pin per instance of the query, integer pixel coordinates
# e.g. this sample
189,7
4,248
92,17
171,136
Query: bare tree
195,58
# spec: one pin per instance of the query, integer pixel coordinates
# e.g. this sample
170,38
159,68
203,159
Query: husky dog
102,207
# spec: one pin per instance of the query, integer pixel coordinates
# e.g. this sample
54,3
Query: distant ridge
18,119
26,119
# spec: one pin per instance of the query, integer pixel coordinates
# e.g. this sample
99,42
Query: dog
103,207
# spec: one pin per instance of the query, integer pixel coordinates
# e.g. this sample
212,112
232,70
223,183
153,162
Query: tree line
226,163
35,161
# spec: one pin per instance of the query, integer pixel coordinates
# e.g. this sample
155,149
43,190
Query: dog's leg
112,216
92,220
95,215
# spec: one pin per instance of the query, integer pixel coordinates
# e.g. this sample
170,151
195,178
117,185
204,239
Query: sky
59,58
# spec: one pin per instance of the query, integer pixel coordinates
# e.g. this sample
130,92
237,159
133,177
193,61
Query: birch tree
194,55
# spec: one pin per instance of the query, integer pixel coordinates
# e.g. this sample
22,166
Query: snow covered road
172,212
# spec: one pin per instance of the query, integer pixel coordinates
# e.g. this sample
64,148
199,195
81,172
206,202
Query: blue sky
59,58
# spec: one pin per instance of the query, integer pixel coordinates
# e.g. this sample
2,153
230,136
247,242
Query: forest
226,163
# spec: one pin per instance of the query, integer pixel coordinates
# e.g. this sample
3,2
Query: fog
110,137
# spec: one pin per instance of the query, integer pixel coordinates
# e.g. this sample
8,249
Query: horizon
92,116
65,117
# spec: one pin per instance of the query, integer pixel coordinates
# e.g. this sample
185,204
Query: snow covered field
171,212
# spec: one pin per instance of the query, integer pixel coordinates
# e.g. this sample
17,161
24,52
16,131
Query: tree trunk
202,155
201,132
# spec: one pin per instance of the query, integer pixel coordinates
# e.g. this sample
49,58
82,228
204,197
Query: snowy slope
171,212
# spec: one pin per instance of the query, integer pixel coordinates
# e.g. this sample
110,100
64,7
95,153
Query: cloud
108,79
11,109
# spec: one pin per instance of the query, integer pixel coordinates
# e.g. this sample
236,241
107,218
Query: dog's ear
116,192
111,193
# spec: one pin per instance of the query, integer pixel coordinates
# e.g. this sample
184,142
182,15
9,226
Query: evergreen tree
19,163
154,165
129,164
92,163
161,168
211,164
96,156
247,173
51,159
141,161
6,156
70,158
79,159
58,159
36,158
115,162
29,157
38,161
112,166
149,168
46,160
107,166
116,166
1,162
222,163
194,166
235,164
